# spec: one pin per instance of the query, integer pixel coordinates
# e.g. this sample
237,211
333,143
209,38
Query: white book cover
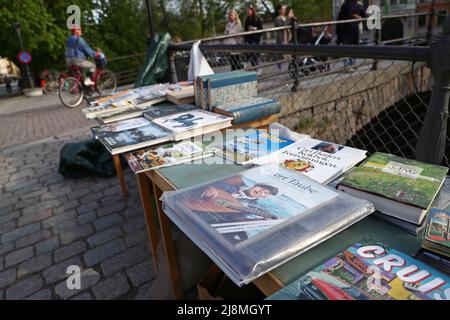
319,160
190,120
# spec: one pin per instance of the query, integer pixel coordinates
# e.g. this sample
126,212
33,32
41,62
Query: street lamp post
22,48
151,25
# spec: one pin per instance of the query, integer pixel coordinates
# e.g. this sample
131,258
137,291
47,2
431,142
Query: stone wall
342,104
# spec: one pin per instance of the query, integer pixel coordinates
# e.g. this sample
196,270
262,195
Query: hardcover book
192,123
319,160
251,222
137,138
167,110
100,131
167,155
398,187
249,109
222,90
369,270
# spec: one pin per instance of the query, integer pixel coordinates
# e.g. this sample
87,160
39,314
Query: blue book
254,144
249,109
226,78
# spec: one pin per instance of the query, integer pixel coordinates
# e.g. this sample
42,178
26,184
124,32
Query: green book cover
404,180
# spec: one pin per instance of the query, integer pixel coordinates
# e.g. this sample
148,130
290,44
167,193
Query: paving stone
5,248
109,208
145,292
83,296
7,227
17,185
102,186
125,259
131,212
108,221
8,202
41,206
140,236
6,210
141,273
8,217
87,217
76,194
91,197
40,191
24,288
59,194
69,251
58,271
44,294
104,236
89,277
18,256
33,217
26,203
76,233
103,252
60,218
112,191
111,288
65,226
7,277
20,175
20,232
46,245
88,207
134,224
32,238
68,205
34,265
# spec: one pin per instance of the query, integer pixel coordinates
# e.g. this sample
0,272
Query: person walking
348,33
234,26
253,22
281,20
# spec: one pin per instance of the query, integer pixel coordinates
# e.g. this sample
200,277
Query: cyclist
77,52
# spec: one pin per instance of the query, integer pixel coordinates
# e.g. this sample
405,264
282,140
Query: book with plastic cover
251,222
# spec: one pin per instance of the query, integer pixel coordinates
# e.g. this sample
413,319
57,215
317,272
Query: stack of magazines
250,223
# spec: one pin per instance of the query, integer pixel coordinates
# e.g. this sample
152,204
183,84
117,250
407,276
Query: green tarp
156,64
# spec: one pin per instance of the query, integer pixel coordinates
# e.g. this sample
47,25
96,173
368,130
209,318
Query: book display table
263,123
182,176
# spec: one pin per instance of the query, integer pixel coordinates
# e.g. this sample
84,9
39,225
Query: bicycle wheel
71,92
106,82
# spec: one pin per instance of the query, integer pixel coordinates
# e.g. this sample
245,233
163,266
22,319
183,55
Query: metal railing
372,96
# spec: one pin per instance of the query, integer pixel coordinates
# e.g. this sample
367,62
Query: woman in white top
233,26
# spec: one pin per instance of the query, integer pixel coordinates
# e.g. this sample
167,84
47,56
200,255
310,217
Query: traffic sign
24,57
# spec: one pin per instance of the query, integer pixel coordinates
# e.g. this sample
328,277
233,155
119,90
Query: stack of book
179,122
402,190
251,222
126,104
437,234
234,94
369,270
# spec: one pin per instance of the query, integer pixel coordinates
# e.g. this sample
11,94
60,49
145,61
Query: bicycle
72,90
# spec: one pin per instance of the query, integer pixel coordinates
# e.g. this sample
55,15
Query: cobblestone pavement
48,223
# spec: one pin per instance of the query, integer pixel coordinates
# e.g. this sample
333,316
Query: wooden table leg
118,165
169,246
146,195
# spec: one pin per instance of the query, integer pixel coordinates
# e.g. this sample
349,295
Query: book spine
255,112
243,78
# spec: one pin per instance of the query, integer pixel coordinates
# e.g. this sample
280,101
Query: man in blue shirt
77,52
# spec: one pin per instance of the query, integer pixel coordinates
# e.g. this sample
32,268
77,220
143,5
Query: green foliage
120,27
305,123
